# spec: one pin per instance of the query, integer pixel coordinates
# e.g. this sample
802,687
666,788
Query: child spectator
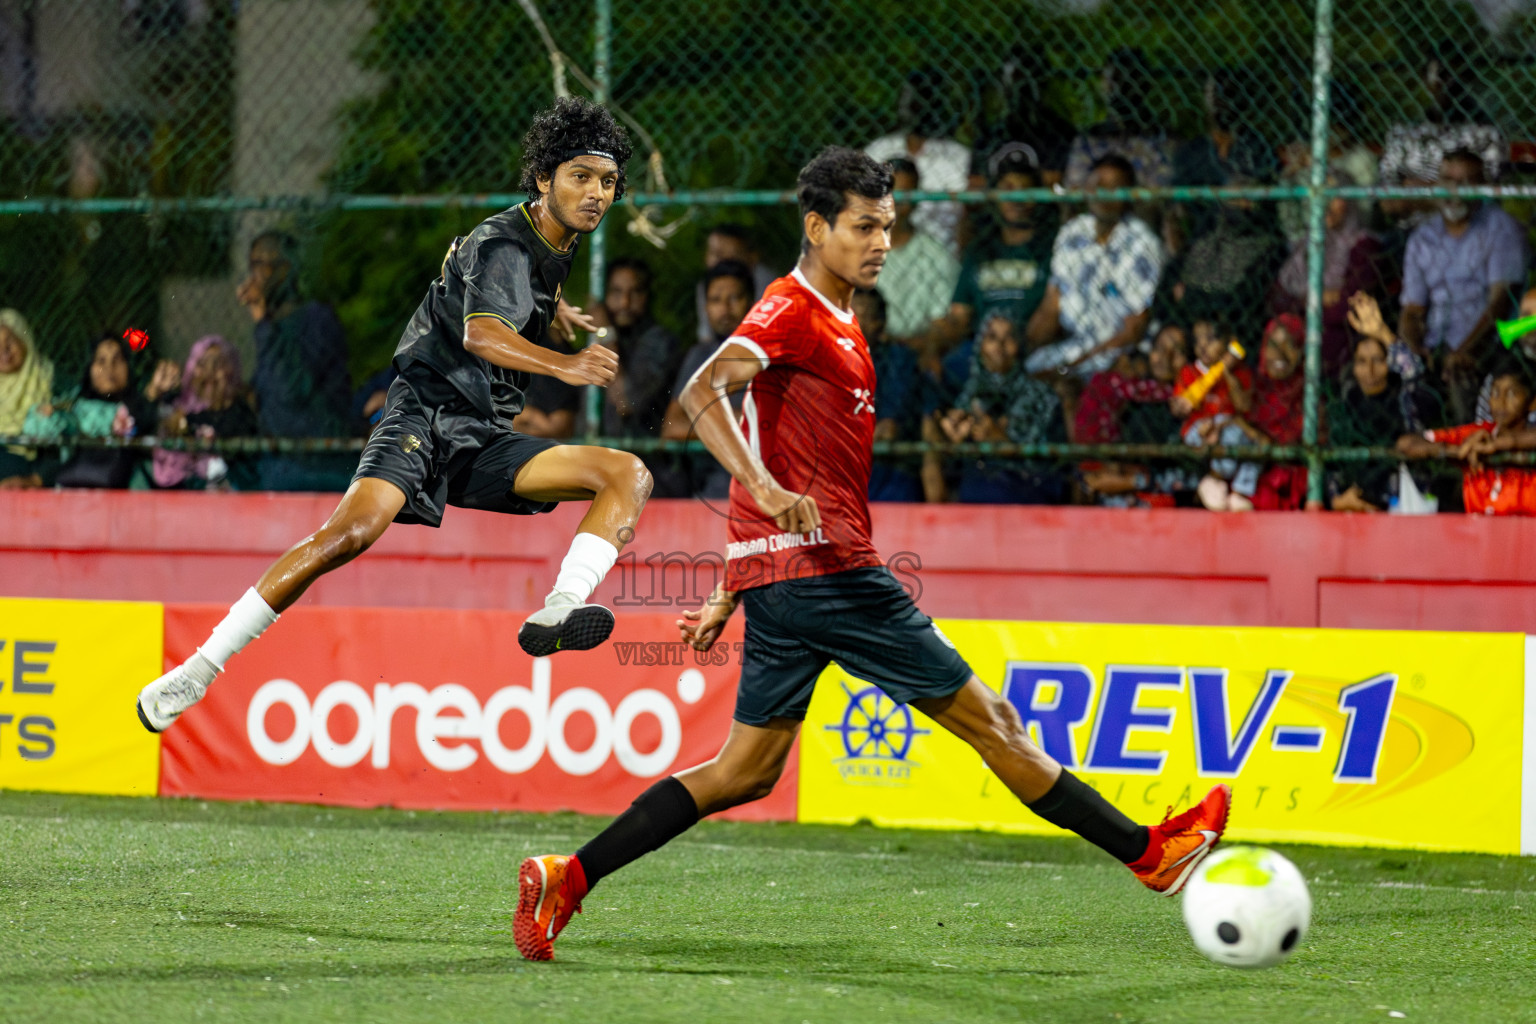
26,379
1104,400
1002,402
1215,417
106,404
212,404
1498,490
1135,409
897,402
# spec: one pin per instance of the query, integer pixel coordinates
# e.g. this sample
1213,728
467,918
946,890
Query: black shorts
863,620
440,450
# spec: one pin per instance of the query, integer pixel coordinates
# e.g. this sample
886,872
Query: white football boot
162,701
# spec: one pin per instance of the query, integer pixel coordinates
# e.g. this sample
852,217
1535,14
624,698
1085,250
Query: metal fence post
1317,204
602,58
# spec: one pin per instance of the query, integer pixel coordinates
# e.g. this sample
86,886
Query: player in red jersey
801,561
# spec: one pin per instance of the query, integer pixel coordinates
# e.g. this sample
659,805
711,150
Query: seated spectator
1414,154
1379,400
1129,130
898,402
1227,271
1003,273
301,382
1276,416
919,274
26,380
635,401
943,165
1458,274
1014,111
1350,160
1488,490
213,404
730,242
1230,152
1354,260
1104,400
728,289
1527,348
1105,267
1141,421
1216,417
1002,402
106,404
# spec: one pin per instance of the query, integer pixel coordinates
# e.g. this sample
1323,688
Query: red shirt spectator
1490,490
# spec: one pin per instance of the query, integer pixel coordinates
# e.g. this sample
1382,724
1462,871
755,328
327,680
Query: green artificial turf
159,910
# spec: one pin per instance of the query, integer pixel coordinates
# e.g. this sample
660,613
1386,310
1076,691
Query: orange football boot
1177,846
544,905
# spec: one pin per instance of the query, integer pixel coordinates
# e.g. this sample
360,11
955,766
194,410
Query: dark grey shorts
862,619
440,450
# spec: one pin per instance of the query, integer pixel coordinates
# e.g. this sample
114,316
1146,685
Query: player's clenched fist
595,364
794,513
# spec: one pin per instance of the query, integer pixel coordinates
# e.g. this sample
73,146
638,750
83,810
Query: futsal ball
1247,907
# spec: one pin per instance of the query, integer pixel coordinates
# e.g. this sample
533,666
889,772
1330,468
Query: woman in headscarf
213,403
26,380
1381,398
1002,402
1354,260
1277,411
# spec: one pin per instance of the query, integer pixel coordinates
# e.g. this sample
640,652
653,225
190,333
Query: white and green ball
1247,907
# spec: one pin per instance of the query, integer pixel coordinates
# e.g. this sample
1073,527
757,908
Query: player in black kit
446,435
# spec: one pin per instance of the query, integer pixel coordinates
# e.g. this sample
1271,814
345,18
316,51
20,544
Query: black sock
1073,804
658,816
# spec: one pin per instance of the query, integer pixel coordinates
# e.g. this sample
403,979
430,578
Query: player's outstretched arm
498,344
706,401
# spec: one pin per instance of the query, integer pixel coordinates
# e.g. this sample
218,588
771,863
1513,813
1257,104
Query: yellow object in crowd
1196,392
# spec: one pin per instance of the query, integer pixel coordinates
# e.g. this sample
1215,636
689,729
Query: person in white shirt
943,165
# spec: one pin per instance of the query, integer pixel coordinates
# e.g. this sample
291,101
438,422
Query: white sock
247,619
584,567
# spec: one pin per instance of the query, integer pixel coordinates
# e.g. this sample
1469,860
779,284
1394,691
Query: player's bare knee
627,474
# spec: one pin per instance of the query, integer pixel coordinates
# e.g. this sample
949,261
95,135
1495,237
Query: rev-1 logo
1053,698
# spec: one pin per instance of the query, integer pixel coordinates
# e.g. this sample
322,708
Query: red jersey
1218,400
809,415
1492,490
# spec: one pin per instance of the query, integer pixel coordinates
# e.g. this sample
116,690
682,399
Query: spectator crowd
1020,322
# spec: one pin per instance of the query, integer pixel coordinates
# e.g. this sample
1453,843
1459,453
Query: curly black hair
825,182
571,124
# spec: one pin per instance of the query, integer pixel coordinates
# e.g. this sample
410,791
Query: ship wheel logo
874,726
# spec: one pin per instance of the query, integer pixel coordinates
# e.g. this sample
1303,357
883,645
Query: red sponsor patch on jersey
767,310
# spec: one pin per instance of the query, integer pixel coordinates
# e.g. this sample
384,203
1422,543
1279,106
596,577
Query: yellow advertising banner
1355,737
69,673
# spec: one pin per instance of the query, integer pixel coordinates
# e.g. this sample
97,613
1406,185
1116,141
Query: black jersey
504,269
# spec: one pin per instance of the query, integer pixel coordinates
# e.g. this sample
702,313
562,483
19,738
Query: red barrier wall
1074,564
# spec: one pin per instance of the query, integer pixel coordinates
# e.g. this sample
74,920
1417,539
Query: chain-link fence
1287,160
